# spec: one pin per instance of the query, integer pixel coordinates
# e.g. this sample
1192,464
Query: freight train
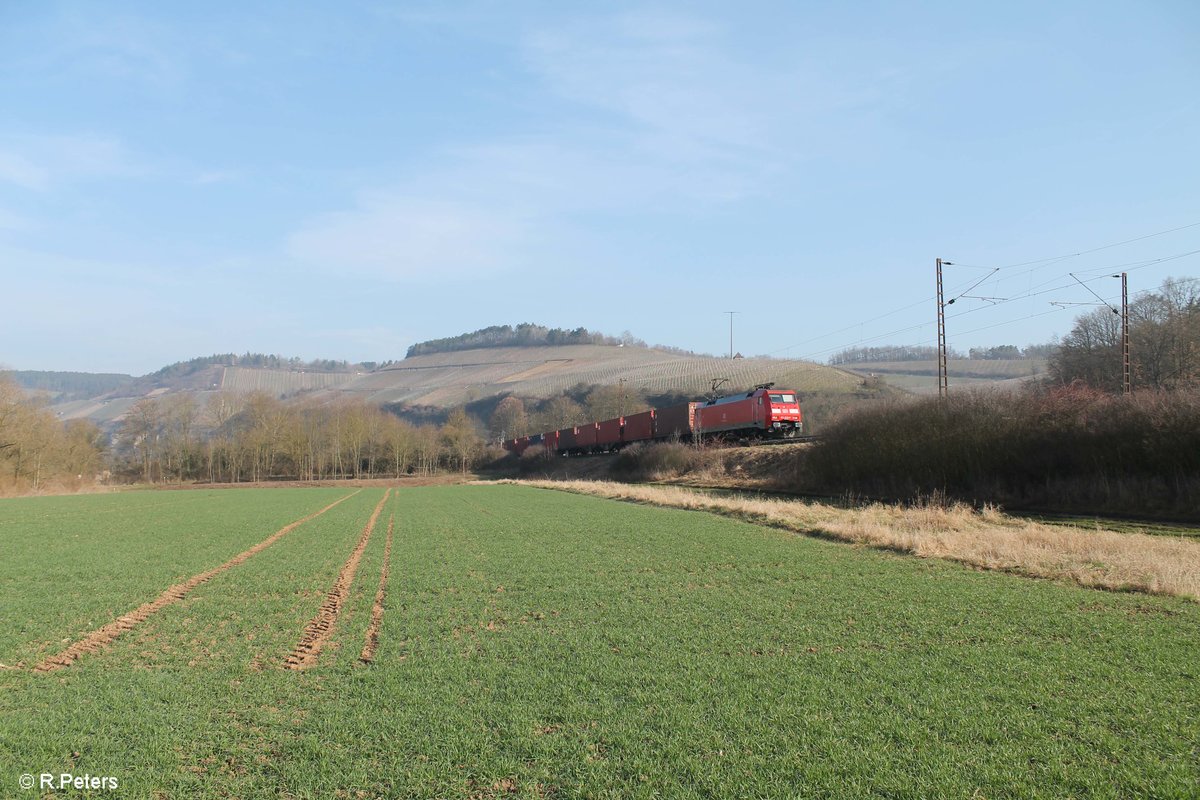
760,413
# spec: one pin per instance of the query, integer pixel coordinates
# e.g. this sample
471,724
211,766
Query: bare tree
400,444
559,412
1164,336
508,421
607,402
178,413
12,407
36,448
142,428
428,446
461,437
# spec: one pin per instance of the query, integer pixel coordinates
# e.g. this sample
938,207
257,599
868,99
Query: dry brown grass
987,539
25,489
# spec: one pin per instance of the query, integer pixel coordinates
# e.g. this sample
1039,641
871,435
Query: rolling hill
430,383
450,379
447,379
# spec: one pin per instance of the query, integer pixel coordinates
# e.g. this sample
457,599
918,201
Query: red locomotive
762,412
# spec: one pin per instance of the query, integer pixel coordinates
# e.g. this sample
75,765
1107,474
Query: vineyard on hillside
280,382
448,379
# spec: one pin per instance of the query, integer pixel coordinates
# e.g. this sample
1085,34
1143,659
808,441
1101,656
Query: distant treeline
524,335
232,437
860,355
255,437
263,360
69,385
1010,352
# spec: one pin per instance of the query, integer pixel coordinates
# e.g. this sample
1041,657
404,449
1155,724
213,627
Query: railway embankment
1071,451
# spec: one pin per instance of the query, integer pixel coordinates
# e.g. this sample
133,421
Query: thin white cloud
43,162
689,94
10,221
670,76
210,177
91,156
493,207
678,120
21,171
101,44
403,238
588,173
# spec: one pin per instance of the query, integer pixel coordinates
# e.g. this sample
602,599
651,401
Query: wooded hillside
524,335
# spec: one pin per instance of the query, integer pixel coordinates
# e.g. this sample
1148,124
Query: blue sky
341,180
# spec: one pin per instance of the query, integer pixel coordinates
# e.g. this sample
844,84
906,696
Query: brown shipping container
674,419
639,427
585,435
566,438
609,432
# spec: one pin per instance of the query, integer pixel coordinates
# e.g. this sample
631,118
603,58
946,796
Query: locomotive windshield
780,397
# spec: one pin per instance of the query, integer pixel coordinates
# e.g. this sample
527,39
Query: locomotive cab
784,418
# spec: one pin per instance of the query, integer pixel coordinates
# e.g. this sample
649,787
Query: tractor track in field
320,628
371,644
105,635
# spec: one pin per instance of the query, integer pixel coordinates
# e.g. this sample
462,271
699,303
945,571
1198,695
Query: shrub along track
320,627
102,637
371,644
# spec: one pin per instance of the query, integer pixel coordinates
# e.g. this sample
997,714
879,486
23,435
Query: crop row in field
371,639
106,634
73,564
308,651
537,643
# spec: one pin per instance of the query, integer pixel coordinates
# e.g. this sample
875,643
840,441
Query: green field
539,644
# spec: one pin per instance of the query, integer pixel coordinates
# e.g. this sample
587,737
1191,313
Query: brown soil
372,640
102,637
320,627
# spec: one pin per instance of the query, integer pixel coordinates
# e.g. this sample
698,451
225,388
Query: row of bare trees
513,418
256,437
37,451
1164,333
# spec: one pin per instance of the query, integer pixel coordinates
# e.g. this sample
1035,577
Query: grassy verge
987,539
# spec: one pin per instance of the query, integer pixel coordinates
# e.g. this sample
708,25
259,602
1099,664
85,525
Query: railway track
794,440
715,441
